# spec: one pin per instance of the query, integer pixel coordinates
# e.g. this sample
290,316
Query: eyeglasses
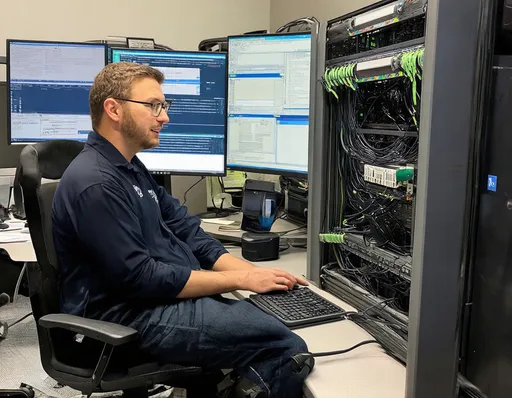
156,107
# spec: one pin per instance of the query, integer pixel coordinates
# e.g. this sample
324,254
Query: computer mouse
303,363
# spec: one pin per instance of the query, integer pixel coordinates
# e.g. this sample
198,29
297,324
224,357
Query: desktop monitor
48,87
269,103
194,140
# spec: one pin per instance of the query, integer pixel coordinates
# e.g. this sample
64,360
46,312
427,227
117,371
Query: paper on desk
8,237
234,179
12,227
218,221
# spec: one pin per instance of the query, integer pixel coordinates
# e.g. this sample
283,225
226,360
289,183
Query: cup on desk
268,212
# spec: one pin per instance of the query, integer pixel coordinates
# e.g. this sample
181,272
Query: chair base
25,391
201,391
136,392
239,387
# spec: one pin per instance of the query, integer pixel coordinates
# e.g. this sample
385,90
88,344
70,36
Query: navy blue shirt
122,242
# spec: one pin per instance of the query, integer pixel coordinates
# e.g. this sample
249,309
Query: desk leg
18,283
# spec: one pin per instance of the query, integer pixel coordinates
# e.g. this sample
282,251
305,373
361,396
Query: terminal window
194,140
48,89
268,102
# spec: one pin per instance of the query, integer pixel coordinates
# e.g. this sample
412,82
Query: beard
136,134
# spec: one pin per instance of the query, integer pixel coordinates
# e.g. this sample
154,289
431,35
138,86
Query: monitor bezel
8,75
110,52
266,170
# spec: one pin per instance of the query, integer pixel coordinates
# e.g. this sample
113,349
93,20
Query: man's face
138,123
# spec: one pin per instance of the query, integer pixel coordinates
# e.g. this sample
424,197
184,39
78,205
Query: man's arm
109,234
233,273
228,262
188,229
255,279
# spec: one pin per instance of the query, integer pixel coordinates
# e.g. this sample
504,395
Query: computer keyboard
298,307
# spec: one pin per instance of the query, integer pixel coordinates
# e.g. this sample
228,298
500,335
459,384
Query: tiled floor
19,354
20,362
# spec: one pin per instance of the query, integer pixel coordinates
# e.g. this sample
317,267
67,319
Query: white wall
283,11
180,24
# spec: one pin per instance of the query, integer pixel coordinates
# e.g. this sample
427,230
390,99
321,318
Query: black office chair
107,358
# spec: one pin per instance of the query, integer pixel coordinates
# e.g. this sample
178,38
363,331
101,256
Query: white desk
22,252
279,226
366,372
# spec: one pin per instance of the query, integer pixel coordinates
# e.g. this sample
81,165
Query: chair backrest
38,162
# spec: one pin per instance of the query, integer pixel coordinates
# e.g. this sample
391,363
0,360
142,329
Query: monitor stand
164,180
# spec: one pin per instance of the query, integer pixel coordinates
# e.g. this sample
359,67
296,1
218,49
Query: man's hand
255,279
263,280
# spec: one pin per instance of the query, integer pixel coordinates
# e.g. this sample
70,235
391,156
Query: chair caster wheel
3,330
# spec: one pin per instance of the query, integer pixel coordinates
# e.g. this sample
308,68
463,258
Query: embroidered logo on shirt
153,195
138,190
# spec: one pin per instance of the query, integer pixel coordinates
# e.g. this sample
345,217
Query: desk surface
279,226
22,252
366,372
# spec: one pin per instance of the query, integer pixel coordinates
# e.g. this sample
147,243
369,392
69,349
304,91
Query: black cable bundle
386,325
360,207
468,388
379,285
391,150
376,280
298,25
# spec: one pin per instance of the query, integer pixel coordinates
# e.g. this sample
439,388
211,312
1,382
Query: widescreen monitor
194,140
48,87
269,79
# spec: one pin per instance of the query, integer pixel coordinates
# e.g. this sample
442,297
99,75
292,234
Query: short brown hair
115,81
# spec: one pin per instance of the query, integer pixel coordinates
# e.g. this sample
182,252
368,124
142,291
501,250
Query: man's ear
112,109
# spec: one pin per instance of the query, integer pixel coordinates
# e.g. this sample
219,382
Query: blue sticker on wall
492,183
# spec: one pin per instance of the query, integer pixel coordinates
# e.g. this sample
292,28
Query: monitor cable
188,190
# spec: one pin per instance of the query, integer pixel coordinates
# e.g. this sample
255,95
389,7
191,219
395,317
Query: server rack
452,71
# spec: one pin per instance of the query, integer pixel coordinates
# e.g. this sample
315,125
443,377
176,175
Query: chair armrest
106,332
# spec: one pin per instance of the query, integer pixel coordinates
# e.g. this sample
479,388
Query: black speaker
260,246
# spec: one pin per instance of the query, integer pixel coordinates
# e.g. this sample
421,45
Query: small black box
260,246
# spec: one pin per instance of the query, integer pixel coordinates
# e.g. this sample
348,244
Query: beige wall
283,11
180,24
176,23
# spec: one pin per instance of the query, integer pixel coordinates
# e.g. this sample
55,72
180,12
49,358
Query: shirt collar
103,146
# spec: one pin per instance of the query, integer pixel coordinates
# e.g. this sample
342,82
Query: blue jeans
217,333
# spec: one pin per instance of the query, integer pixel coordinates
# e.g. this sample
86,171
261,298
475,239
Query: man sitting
130,254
